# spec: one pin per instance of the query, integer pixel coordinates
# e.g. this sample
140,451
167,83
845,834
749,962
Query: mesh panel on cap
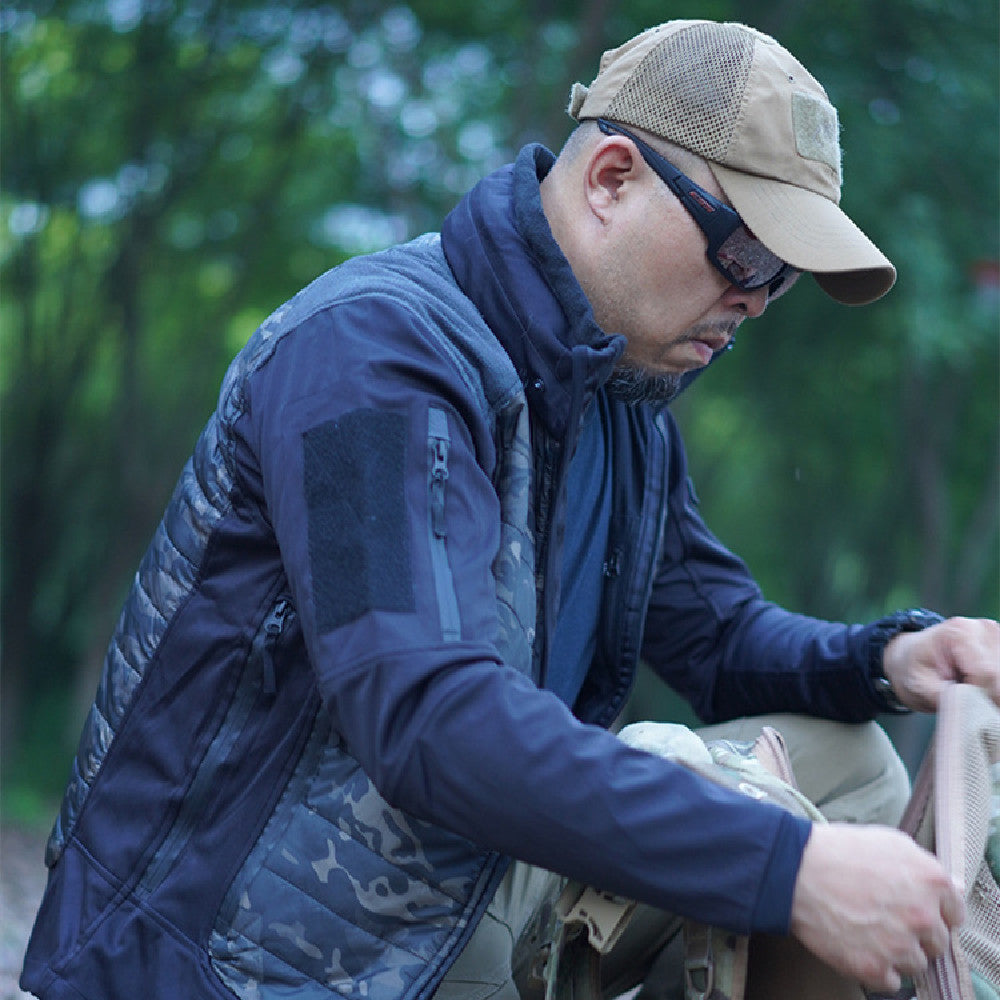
688,89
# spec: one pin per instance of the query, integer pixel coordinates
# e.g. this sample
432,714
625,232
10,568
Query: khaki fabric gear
735,97
716,961
510,952
954,811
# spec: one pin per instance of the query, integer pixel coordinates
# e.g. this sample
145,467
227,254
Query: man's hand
919,664
873,904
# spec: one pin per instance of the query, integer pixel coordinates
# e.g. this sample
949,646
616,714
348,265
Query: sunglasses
734,251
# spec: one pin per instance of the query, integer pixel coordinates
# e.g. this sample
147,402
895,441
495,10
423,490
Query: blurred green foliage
174,169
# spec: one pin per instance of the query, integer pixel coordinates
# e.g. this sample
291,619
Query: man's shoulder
403,300
402,279
408,272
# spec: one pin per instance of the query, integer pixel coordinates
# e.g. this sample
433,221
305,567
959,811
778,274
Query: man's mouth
707,345
708,339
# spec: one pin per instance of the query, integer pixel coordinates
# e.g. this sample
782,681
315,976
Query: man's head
741,123
736,98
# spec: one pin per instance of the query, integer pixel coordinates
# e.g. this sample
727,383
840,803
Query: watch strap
882,632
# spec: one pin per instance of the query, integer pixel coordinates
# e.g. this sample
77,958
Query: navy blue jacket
322,727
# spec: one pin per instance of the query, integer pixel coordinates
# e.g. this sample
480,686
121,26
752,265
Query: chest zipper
274,625
257,677
439,443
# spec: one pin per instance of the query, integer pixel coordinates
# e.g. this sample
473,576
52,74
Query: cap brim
811,233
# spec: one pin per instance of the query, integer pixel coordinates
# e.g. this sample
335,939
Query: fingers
953,906
873,904
933,934
890,983
975,652
933,940
919,664
926,938
928,922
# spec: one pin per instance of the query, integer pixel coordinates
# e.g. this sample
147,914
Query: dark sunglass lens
746,260
783,282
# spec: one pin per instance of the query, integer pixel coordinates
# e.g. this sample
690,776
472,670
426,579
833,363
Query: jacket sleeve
711,635
340,422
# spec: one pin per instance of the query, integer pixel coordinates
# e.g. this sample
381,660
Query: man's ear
611,166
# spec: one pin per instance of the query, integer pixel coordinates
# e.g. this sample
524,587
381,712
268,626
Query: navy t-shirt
588,514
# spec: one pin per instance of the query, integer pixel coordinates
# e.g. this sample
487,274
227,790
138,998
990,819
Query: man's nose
752,303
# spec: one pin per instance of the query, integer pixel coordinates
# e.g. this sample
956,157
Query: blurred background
172,170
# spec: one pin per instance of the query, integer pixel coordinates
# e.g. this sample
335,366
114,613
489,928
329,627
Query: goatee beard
637,385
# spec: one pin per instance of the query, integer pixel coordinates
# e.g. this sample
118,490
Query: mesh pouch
955,812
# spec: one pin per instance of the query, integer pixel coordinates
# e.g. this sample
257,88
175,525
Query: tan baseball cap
735,97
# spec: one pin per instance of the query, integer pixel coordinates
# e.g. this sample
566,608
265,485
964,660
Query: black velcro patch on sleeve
359,549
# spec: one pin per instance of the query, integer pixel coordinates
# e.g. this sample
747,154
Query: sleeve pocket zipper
439,442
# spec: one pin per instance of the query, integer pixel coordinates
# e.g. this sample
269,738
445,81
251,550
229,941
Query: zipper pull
273,626
613,564
439,476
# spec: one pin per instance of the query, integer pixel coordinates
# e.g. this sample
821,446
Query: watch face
919,618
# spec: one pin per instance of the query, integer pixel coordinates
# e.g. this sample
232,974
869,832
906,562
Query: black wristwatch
882,632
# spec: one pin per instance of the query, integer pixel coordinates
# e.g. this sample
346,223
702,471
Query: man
440,502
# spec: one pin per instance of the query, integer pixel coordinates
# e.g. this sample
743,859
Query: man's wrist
882,632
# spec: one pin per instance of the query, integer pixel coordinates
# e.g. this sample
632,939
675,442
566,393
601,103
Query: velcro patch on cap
817,130
359,549
577,95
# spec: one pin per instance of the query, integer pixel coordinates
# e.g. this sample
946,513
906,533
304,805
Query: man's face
654,284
